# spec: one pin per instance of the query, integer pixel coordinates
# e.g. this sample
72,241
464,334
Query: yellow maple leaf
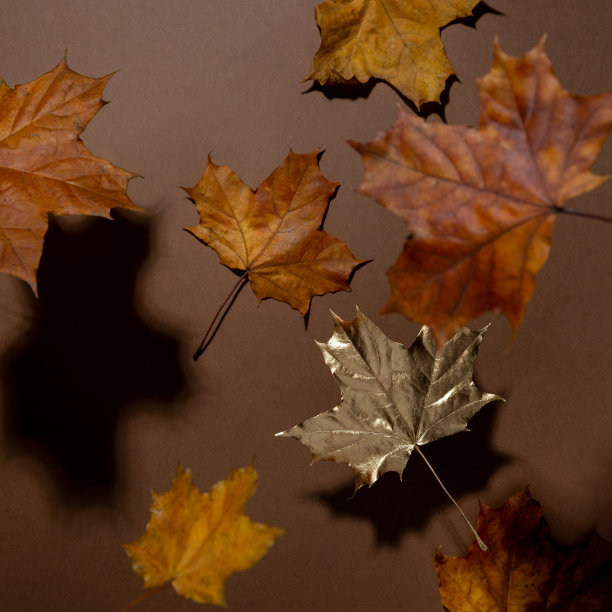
480,204
195,541
397,41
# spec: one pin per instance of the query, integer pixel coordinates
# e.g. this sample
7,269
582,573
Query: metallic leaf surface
393,398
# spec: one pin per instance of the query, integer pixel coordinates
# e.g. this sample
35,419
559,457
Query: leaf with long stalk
394,399
273,235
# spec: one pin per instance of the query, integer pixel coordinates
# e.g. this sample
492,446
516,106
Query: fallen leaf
394,399
197,540
397,41
274,234
45,167
523,569
480,204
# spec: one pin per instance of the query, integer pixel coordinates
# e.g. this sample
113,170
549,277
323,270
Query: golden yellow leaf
197,540
45,167
394,40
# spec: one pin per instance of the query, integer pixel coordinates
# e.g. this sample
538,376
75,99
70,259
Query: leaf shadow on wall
464,462
88,353
355,90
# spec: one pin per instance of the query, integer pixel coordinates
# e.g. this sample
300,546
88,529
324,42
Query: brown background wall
100,398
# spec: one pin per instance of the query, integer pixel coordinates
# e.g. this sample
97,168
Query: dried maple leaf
274,234
195,541
45,167
394,40
523,570
480,204
394,399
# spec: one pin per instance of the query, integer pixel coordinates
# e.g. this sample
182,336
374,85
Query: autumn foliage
392,40
45,167
480,204
274,233
195,541
523,569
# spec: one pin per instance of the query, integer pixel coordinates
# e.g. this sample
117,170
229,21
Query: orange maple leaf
523,569
195,541
274,234
480,204
393,40
45,167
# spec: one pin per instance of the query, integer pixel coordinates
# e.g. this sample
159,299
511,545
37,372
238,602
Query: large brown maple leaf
194,541
480,204
45,167
394,40
523,570
274,234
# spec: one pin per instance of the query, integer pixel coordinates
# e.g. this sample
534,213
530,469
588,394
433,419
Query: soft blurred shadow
87,354
464,462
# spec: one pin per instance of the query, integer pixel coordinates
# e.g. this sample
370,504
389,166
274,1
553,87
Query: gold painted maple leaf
394,399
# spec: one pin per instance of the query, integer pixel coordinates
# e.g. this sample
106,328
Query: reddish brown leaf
274,234
480,204
523,570
45,167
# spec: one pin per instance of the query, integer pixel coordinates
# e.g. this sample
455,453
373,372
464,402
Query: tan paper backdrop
100,398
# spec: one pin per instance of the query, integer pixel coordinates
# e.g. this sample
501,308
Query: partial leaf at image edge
480,204
45,167
524,569
274,235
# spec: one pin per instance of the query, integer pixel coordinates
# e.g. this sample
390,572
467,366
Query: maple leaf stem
157,589
220,314
586,215
482,545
